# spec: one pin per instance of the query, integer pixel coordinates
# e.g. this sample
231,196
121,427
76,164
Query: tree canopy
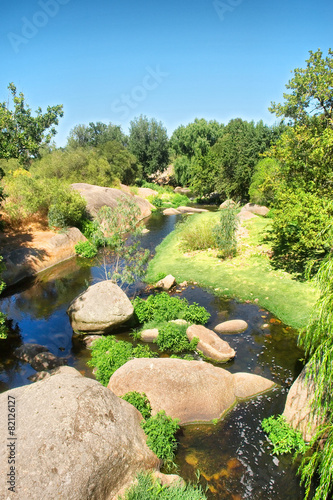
23,134
95,135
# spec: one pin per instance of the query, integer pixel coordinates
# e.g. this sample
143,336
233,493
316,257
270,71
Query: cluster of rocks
40,358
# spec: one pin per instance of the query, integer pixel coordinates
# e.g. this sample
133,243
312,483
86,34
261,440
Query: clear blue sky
111,61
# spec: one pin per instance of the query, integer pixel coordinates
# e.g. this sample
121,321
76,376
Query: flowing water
232,457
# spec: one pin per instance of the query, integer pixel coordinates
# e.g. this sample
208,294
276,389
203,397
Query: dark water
232,457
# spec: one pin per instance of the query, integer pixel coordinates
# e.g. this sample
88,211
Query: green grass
248,276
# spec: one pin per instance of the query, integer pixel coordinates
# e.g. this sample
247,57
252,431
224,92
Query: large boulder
166,283
171,211
298,409
255,209
210,344
98,197
75,440
99,309
189,390
191,210
227,204
231,326
183,190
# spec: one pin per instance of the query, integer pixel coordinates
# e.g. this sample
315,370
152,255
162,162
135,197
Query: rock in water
231,326
189,390
100,308
166,283
210,344
76,440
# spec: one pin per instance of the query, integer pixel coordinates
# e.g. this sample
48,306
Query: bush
265,182
147,488
67,209
161,430
195,234
109,354
182,168
225,232
162,307
172,337
283,437
85,249
140,402
299,231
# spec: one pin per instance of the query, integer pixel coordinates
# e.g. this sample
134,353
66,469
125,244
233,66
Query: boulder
36,377
184,191
179,321
149,335
189,390
297,411
232,326
166,283
98,197
227,203
88,340
46,361
76,439
255,209
210,344
27,352
245,215
170,211
99,309
191,210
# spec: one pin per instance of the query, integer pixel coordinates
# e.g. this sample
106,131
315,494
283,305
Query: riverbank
248,277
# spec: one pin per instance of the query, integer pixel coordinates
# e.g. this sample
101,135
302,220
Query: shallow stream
232,456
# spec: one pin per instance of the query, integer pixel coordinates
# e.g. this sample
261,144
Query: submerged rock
189,390
46,361
27,352
231,326
100,308
77,440
210,344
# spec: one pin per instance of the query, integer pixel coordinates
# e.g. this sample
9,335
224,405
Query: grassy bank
248,276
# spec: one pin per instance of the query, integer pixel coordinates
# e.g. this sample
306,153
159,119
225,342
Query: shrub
162,307
109,354
140,402
182,168
225,232
265,182
67,209
147,488
195,234
161,430
172,337
299,231
283,437
85,249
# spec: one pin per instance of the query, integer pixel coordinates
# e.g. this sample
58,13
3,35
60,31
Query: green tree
265,181
148,141
311,91
123,164
94,135
195,138
22,135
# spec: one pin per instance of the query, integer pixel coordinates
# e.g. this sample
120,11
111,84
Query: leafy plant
195,234
140,402
109,354
283,437
86,249
172,337
162,307
148,488
161,430
225,231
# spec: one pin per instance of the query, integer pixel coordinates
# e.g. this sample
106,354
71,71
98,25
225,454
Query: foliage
162,307
172,337
94,135
3,326
265,182
181,167
317,340
140,402
204,172
123,164
195,138
147,488
85,249
22,134
299,231
160,430
225,232
148,141
195,234
67,208
167,200
311,90
108,354
283,437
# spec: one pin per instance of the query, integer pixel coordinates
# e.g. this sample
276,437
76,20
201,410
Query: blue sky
111,61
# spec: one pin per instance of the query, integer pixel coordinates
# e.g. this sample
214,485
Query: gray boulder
210,344
189,390
99,309
76,440
255,209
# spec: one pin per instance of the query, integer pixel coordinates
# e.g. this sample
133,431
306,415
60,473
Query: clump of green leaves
160,430
162,307
86,249
148,488
172,337
283,437
195,234
225,231
140,402
108,354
